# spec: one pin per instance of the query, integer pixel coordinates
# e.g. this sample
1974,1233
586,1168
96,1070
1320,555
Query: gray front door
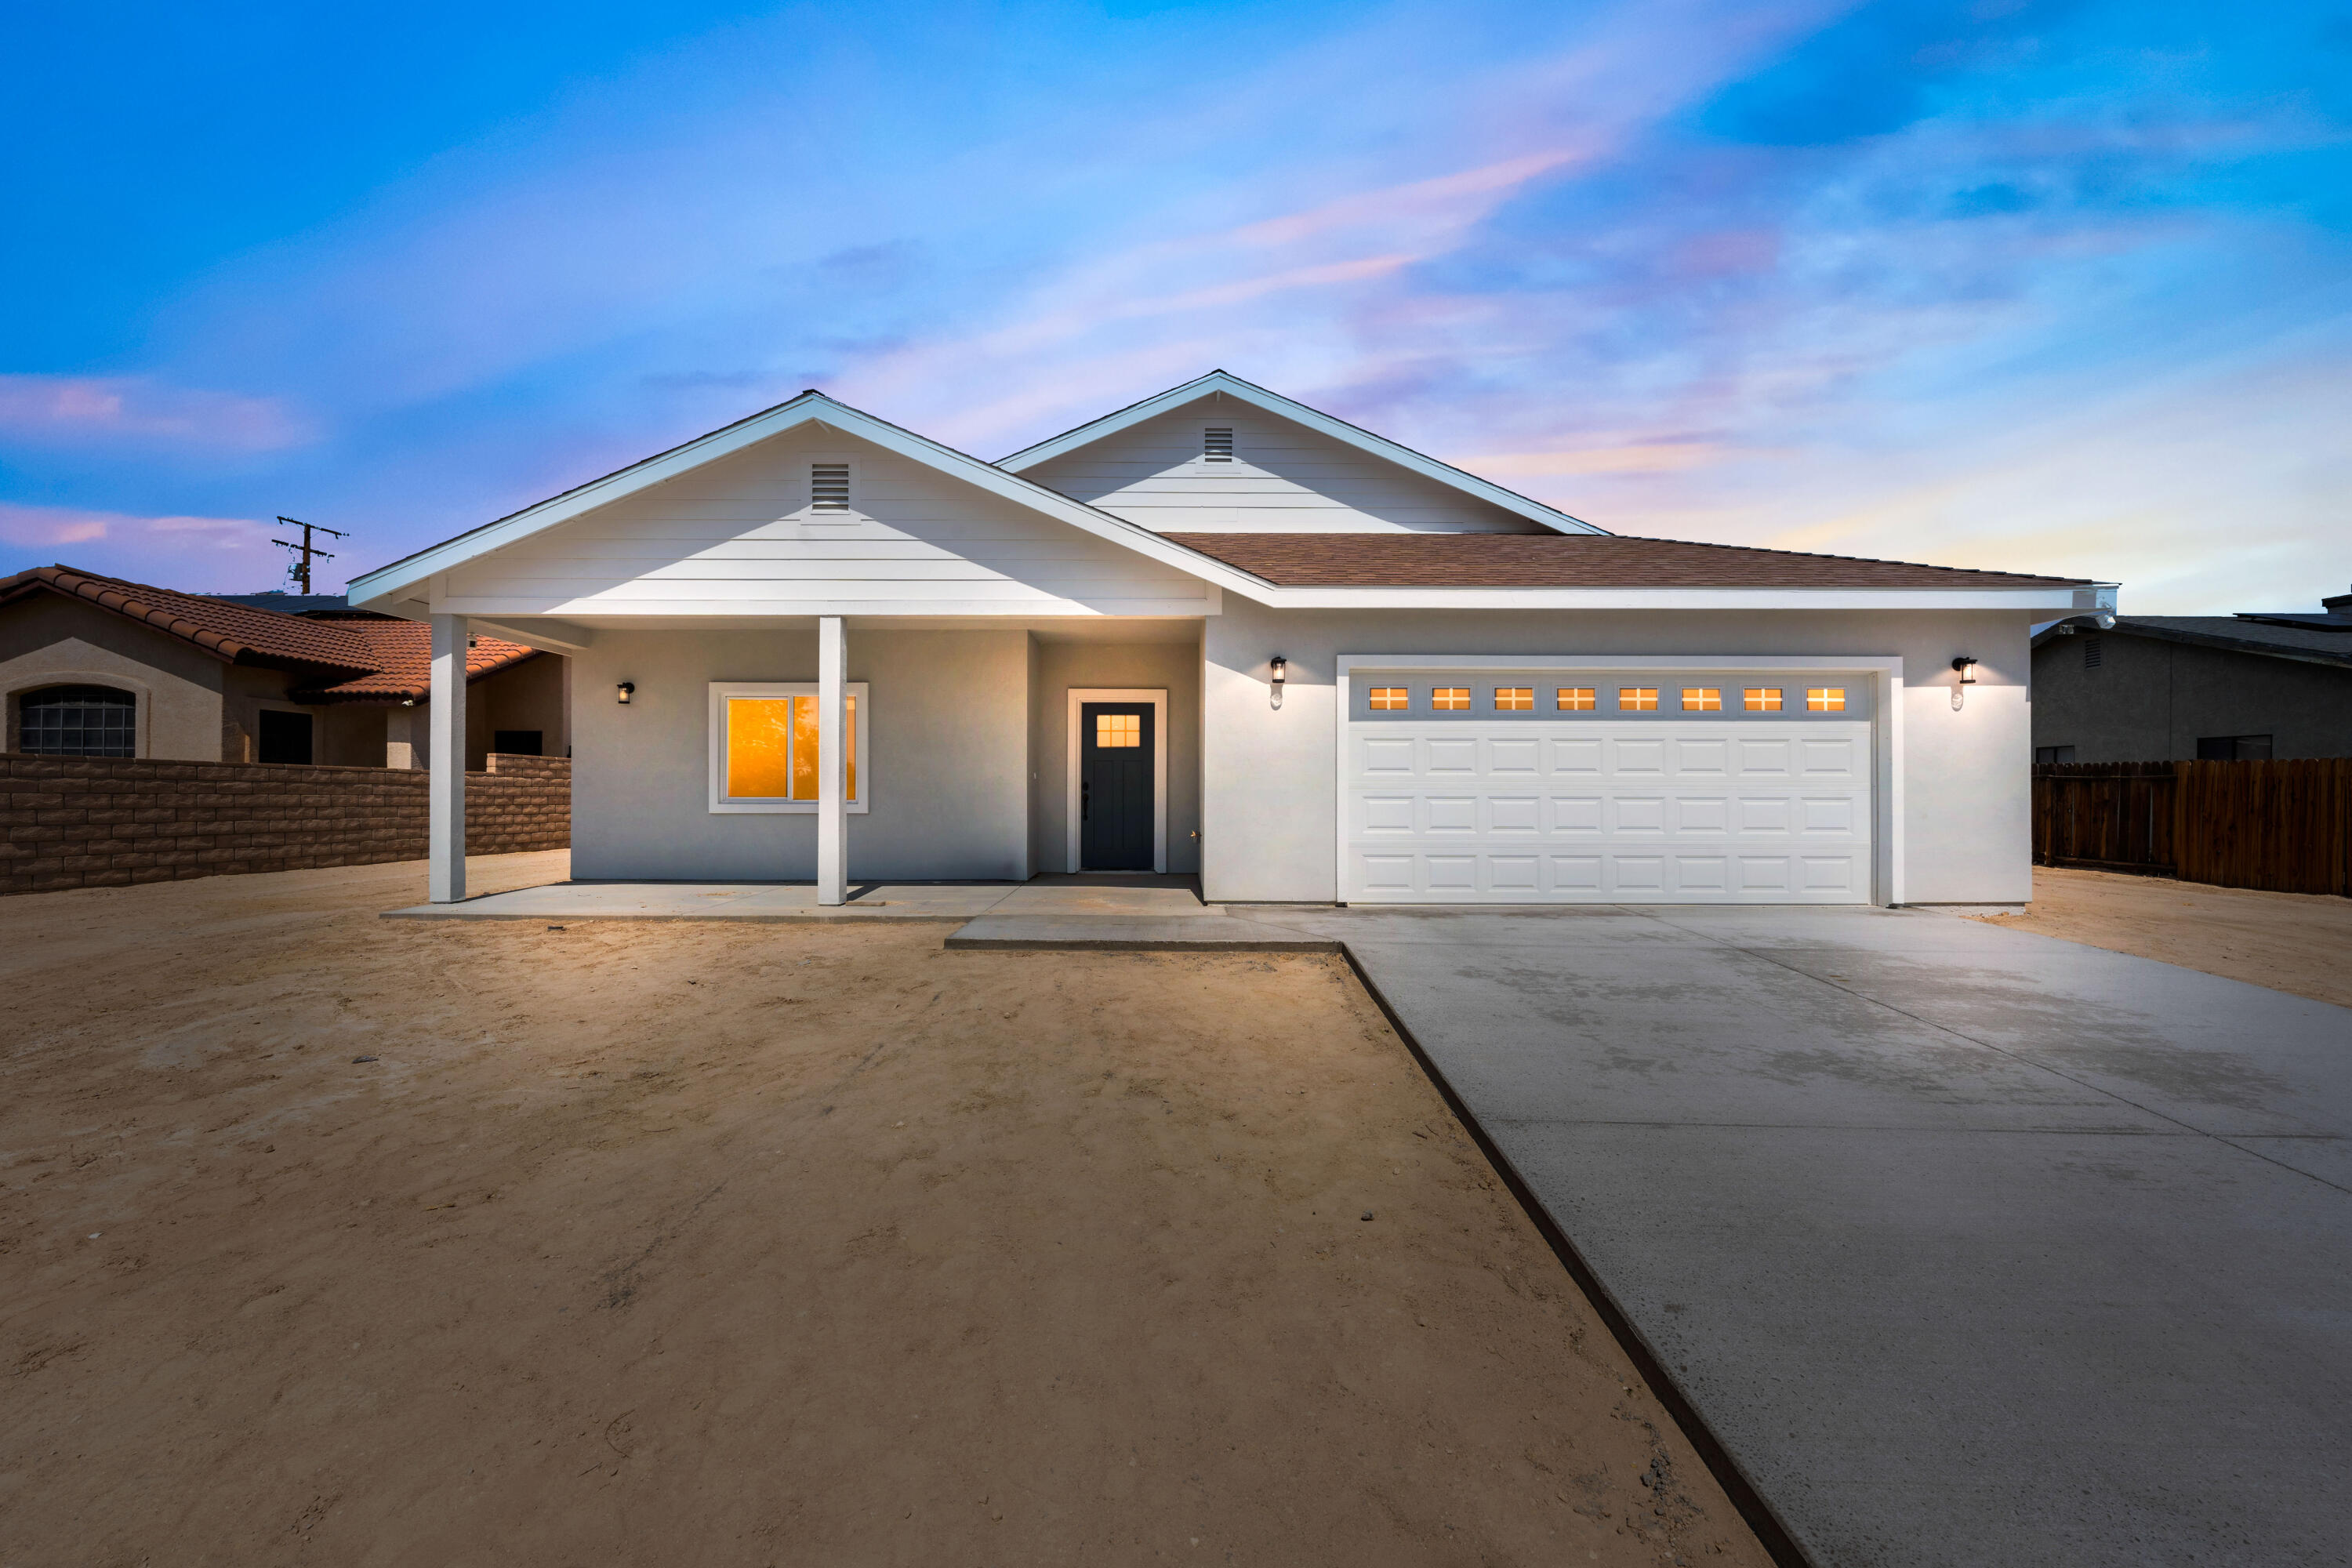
1116,748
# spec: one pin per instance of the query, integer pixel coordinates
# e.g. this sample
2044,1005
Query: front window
77,722
764,752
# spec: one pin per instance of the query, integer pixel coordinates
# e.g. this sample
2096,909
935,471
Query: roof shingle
1566,560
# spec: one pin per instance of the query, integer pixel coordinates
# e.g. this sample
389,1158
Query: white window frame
808,513
1883,670
723,805
1157,696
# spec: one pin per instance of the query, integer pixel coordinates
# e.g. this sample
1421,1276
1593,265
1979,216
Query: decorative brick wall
98,822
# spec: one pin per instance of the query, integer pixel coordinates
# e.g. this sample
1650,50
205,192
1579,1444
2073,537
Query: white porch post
831,768
445,835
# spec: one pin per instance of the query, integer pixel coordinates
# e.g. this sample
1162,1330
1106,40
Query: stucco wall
50,641
1270,777
947,744
1173,667
2150,700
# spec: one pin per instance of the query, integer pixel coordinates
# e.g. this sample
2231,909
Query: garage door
1714,787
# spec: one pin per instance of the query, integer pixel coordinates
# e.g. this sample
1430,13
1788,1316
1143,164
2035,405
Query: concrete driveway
1971,1247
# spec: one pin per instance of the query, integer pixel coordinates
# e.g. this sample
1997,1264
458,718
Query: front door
1115,767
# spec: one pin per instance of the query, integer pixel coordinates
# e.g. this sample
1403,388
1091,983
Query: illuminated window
1825,698
1702,699
1451,699
766,740
1389,699
1119,729
1576,698
1515,700
1762,699
1637,698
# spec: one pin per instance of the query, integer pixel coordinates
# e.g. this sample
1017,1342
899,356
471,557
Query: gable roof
1218,381
1569,560
2304,644
387,585
343,657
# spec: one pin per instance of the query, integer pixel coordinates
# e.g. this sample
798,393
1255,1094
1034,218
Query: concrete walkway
1971,1246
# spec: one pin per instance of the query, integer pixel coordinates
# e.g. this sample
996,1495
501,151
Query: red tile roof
401,654
1566,560
341,659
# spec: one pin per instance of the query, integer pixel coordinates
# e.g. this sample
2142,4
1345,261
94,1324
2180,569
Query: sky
2058,287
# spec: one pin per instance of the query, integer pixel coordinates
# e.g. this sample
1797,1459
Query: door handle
1086,795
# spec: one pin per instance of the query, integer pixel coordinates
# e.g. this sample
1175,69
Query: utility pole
300,570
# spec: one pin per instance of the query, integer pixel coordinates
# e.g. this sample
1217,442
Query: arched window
77,722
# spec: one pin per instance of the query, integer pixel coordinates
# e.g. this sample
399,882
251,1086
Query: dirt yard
2296,943
338,1240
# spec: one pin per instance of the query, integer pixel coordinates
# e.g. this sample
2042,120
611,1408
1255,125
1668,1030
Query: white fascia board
490,613
543,632
1324,424
386,586
1662,598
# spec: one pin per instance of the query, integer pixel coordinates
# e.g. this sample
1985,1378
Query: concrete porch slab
1065,898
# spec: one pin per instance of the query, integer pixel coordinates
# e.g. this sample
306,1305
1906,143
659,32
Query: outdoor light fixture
625,687
1967,669
1281,665
1274,689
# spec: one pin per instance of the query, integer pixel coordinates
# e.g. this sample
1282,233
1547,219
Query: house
95,666
1219,631
2152,689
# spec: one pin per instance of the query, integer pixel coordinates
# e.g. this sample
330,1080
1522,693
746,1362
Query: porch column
832,770
446,790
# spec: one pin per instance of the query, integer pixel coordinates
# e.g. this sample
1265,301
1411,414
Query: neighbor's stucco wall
46,640
2150,700
1268,803
1061,666
947,749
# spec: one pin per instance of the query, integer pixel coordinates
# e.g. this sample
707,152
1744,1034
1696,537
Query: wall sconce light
1281,672
624,689
409,702
1967,669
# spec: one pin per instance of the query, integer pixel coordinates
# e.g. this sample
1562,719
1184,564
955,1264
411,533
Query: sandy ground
338,1240
2296,943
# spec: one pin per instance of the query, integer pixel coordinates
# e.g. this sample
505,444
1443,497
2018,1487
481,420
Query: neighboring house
2154,689
93,665
1220,631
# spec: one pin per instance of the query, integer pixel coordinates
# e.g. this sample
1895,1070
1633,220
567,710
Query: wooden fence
2281,826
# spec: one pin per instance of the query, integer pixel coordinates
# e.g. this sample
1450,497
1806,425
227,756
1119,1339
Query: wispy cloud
227,553
139,411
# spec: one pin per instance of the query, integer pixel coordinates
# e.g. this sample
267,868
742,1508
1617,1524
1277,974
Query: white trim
387,587
143,702
2056,595
1887,872
1273,403
715,742
1158,697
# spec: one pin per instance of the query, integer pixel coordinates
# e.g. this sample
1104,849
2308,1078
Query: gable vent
2092,653
1217,444
829,487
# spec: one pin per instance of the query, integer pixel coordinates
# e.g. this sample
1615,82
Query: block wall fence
103,822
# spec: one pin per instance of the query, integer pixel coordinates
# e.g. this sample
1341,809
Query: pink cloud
103,409
196,555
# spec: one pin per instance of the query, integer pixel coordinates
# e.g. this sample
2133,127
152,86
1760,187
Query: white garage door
1544,787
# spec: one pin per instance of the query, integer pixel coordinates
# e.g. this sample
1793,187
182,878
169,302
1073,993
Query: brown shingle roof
1565,561
355,659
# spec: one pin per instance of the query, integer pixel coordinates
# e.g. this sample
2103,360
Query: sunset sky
2043,287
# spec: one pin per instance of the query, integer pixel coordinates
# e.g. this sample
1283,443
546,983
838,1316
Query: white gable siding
736,537
1283,479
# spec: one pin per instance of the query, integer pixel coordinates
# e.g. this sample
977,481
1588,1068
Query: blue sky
2056,287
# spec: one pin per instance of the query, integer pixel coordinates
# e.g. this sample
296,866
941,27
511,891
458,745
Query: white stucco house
1219,631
